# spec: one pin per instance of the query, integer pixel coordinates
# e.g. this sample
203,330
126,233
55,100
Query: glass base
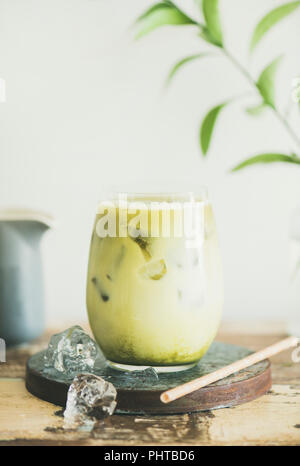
158,369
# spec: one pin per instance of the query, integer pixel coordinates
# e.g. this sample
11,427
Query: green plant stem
240,67
287,126
249,78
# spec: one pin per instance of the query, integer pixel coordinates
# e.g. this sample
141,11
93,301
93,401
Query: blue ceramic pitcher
21,276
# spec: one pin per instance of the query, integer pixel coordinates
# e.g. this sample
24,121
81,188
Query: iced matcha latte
154,290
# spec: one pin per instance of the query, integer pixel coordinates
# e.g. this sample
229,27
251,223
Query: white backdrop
85,112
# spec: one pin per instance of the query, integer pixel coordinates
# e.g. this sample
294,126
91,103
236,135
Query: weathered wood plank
16,357
21,414
272,419
25,419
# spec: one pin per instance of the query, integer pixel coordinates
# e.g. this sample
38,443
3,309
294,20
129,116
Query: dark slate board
139,393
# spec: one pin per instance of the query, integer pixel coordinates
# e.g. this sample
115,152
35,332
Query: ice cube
90,399
71,352
193,288
148,373
103,294
142,377
154,270
142,240
183,257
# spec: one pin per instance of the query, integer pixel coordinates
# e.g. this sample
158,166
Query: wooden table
273,419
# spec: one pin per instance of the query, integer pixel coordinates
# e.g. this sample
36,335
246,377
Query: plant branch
249,78
240,67
287,126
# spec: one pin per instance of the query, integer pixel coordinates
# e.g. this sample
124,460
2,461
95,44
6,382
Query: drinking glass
154,287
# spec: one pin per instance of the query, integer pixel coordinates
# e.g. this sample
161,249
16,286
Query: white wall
85,112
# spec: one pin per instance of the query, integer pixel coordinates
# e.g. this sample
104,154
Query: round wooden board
139,393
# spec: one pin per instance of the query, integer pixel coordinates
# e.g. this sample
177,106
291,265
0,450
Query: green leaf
151,10
181,63
266,81
256,110
161,14
198,3
272,18
267,158
207,127
206,35
212,19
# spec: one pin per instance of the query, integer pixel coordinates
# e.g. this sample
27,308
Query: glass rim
200,195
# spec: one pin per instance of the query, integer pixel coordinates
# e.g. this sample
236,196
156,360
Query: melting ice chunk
193,289
183,257
154,270
71,352
147,376
143,241
149,373
90,398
